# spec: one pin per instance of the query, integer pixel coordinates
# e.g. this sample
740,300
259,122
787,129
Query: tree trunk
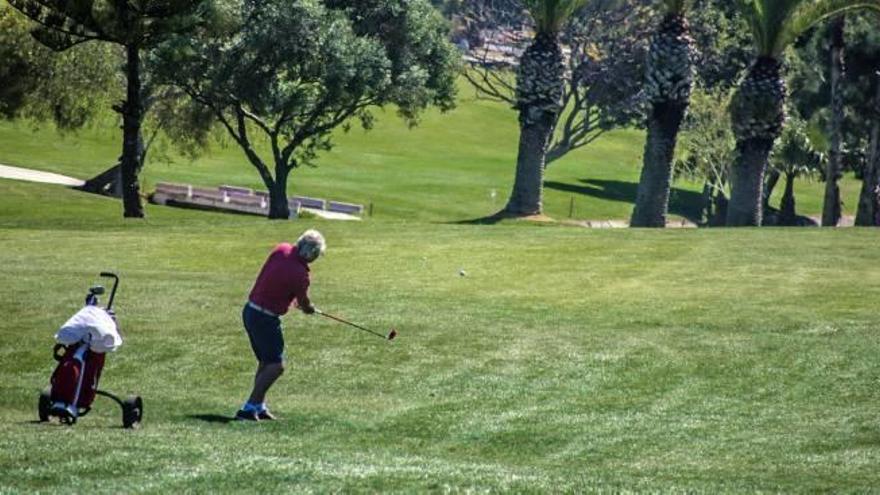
769,185
757,115
746,183
279,208
831,208
787,214
706,208
132,116
719,218
539,89
652,198
668,83
528,186
867,214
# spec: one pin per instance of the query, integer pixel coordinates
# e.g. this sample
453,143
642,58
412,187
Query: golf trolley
80,351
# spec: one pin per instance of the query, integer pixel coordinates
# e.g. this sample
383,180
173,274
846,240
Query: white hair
310,245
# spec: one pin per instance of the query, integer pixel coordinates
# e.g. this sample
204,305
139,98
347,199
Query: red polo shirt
283,279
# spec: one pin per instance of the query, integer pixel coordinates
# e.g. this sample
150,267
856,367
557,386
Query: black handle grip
115,284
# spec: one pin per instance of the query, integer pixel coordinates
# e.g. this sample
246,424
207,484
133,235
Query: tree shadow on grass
212,418
682,202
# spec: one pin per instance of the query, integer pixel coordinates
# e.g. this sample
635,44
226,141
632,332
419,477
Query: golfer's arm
302,299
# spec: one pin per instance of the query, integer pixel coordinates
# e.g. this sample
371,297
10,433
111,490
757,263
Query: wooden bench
241,199
340,207
236,191
307,202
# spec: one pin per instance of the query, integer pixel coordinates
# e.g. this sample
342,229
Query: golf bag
82,344
75,379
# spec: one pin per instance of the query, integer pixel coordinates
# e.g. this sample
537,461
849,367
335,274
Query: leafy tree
669,79
758,106
68,88
794,157
810,84
290,73
721,43
705,151
135,25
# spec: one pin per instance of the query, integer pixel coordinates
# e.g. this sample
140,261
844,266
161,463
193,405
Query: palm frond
551,15
810,13
775,24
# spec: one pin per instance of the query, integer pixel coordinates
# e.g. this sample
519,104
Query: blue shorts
264,332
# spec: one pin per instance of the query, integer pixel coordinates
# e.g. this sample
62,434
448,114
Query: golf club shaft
340,320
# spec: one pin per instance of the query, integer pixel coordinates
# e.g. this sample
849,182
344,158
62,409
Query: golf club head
392,334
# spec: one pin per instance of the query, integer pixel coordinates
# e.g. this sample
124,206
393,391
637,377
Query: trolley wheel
132,411
44,405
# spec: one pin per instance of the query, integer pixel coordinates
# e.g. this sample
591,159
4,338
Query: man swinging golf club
283,281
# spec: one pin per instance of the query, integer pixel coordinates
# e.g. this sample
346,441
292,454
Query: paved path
331,215
17,173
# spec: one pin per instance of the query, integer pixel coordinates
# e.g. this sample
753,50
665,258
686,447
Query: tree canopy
293,72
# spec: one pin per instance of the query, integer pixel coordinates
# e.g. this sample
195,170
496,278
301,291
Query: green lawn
568,360
444,170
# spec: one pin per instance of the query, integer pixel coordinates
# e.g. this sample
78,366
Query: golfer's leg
260,368
266,376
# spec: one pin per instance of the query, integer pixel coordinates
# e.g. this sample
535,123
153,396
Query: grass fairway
568,360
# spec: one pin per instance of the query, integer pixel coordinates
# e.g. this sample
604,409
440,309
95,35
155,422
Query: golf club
390,336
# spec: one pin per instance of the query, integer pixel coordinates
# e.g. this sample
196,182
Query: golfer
283,281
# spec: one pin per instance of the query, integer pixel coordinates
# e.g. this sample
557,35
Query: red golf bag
75,379
82,344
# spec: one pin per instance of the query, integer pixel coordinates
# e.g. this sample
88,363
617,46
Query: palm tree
668,82
758,106
539,89
831,209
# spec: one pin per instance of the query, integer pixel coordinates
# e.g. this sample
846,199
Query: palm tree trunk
867,214
668,82
831,208
746,183
721,205
528,186
757,113
769,185
539,89
787,214
652,198
132,116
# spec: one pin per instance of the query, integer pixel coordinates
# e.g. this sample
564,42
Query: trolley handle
113,291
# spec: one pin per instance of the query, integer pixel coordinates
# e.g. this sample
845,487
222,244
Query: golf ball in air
462,273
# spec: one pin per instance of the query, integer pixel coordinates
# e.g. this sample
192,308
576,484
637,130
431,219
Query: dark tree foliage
811,98
289,73
68,89
135,25
423,63
723,52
